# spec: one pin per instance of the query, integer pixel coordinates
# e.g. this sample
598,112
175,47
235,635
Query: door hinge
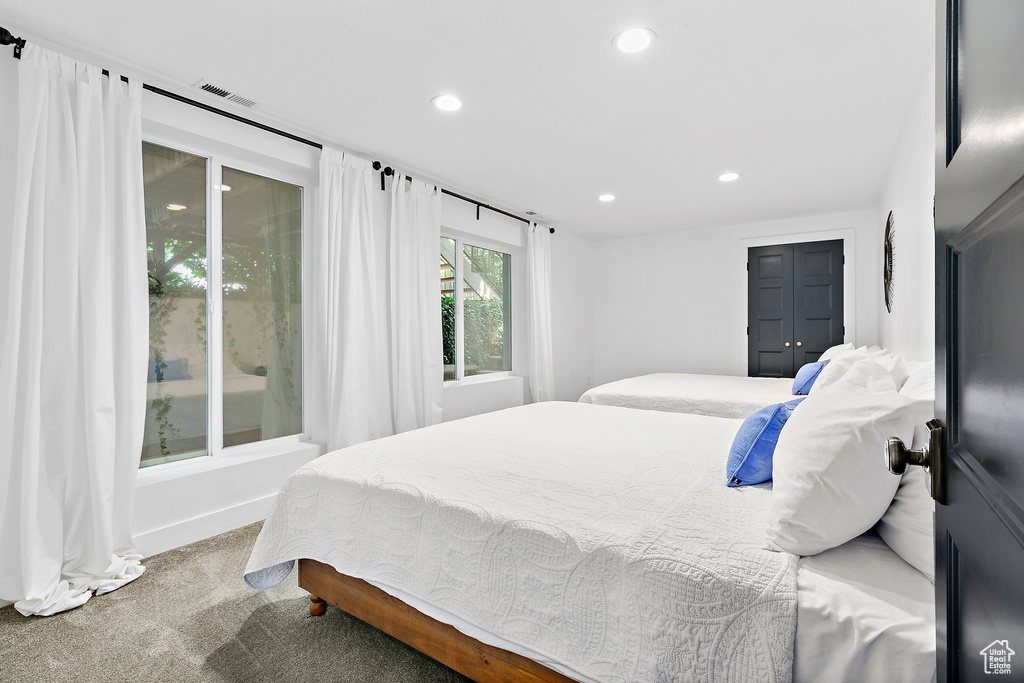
844,258
844,330
748,330
748,266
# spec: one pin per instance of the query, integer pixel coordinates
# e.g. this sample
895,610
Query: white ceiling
805,98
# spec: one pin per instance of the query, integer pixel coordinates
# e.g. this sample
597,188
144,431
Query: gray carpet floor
191,617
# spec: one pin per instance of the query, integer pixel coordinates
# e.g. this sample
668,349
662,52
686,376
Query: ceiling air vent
225,94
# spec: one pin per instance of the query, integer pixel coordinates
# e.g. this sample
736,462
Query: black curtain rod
388,171
6,38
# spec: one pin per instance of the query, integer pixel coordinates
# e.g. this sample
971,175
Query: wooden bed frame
480,662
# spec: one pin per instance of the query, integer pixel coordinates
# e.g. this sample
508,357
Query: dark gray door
979,222
794,303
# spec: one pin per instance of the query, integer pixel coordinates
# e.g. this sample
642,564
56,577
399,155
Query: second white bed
713,395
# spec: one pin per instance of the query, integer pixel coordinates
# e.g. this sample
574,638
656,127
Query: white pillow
841,365
872,350
830,479
870,374
834,351
921,385
921,367
836,368
896,367
908,526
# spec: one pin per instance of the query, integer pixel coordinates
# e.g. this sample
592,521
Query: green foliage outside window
448,329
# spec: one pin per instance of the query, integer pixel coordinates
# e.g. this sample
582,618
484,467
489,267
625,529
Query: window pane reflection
176,395
486,310
262,316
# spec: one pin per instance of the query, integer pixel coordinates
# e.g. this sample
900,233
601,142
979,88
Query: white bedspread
714,395
864,615
600,541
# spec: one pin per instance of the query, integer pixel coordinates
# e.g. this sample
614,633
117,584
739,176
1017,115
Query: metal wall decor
887,257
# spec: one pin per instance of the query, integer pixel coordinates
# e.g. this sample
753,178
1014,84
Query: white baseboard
184,502
196,529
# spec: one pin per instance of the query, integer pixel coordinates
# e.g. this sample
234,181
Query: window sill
481,379
156,474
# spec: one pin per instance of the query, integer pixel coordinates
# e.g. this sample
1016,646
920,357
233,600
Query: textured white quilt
600,541
715,395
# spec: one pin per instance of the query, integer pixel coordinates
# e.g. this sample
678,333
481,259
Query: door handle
787,343
932,458
799,343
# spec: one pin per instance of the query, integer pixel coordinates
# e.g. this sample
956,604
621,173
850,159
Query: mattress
864,615
713,395
596,540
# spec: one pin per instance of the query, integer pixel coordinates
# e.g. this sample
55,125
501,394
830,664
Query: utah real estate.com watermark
997,657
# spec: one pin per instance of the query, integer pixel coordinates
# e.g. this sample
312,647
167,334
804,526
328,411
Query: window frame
463,238
218,155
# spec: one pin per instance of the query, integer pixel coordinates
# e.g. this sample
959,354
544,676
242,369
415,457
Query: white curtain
74,337
538,273
417,367
351,321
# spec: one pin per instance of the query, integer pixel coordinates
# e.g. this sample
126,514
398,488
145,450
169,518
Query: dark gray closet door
770,311
794,305
817,299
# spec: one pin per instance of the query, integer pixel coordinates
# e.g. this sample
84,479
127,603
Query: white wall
909,193
677,302
572,313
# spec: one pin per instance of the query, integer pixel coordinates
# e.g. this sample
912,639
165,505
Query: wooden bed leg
317,606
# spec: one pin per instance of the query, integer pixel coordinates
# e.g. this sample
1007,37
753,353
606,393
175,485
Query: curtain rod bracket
385,171
7,39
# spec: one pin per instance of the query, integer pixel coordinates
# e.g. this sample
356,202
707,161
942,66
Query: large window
476,309
225,300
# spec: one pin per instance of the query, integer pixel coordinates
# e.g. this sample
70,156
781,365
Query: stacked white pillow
831,483
834,351
908,526
841,362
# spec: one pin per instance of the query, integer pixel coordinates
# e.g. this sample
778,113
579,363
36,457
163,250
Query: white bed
713,395
599,541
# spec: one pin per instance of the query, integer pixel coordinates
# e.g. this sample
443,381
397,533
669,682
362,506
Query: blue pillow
168,370
750,458
805,377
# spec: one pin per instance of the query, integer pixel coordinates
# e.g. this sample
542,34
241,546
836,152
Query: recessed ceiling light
447,102
176,207
225,188
729,177
634,39
606,197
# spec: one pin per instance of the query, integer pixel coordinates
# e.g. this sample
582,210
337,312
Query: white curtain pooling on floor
74,336
417,362
350,286
538,271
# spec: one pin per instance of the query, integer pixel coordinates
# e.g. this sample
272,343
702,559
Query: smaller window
476,317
